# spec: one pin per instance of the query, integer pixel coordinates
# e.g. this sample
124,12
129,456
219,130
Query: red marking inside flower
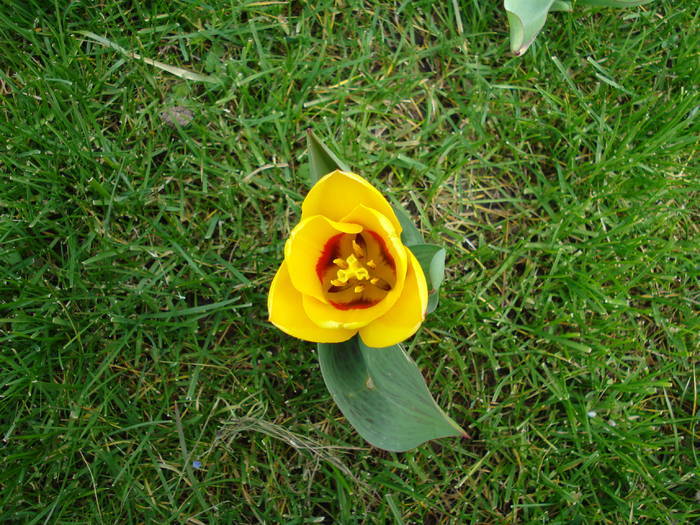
385,252
360,304
330,252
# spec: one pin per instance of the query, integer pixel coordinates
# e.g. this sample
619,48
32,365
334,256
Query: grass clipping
177,71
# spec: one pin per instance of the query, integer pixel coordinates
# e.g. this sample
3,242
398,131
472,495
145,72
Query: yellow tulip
345,269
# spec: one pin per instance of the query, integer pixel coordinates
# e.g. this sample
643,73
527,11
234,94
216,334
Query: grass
136,255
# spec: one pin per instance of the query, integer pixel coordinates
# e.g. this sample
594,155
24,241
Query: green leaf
321,159
432,259
613,3
383,395
410,234
561,5
525,18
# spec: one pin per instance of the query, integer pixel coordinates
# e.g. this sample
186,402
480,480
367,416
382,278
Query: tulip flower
352,280
346,271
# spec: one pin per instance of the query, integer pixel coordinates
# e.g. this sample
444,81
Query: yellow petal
284,305
330,316
337,193
305,247
402,321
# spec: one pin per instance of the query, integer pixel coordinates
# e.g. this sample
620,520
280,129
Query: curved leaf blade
561,5
382,394
432,259
613,3
410,235
526,19
321,159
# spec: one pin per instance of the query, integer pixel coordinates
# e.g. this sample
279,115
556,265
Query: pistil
350,268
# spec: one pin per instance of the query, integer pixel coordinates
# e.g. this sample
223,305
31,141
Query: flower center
356,270
349,268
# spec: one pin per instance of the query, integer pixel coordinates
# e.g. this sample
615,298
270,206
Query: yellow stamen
371,264
357,249
354,269
380,283
359,289
341,263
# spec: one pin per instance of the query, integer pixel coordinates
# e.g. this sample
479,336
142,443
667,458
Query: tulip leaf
432,259
410,234
561,5
613,3
382,394
321,159
526,19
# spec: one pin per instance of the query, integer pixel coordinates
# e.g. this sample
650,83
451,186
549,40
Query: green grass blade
174,70
563,186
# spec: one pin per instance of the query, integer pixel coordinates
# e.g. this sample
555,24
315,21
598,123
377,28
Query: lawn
143,215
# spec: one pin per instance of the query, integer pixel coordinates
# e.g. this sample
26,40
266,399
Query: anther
359,289
357,249
371,264
381,284
340,263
